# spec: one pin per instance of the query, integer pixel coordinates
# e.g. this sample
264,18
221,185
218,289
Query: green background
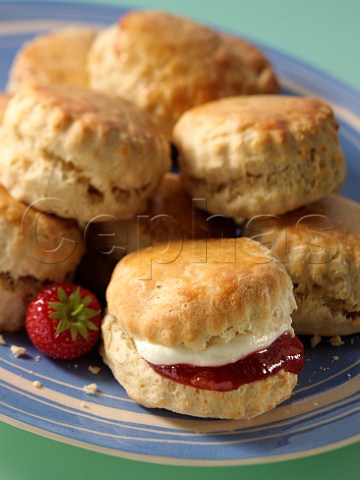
324,33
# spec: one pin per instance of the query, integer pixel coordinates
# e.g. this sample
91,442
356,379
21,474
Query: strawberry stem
78,310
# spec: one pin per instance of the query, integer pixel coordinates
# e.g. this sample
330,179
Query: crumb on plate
91,389
17,351
315,340
37,384
93,369
336,341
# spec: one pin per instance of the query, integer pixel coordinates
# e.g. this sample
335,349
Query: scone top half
195,294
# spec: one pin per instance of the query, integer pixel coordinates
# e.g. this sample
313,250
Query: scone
55,57
171,215
260,154
90,153
319,247
36,248
203,328
166,64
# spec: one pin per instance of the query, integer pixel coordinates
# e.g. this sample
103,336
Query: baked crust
4,99
319,247
189,293
36,244
166,64
36,248
147,387
56,57
98,154
15,297
260,154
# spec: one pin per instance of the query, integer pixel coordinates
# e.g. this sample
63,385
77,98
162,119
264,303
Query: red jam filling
285,353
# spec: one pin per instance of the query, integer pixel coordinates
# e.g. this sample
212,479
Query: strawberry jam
285,353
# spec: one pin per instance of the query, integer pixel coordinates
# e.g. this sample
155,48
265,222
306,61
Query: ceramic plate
322,414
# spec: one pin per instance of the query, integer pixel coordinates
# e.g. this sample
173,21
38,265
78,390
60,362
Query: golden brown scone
145,386
197,299
4,99
171,215
55,57
169,287
36,248
259,154
166,64
97,154
319,247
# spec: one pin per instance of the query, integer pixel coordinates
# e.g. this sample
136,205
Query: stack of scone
69,153
36,248
76,154
272,162
198,326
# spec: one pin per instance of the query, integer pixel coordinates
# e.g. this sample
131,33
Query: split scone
171,215
36,248
96,154
166,64
319,247
55,57
203,328
260,154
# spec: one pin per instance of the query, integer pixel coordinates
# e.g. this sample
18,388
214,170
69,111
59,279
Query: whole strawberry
63,321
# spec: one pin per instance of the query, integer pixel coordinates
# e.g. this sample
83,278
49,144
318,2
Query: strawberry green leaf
56,315
61,327
82,330
73,332
91,325
86,300
75,298
56,305
62,295
87,313
72,313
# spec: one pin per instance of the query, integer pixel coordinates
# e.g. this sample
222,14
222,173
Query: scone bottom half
208,333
